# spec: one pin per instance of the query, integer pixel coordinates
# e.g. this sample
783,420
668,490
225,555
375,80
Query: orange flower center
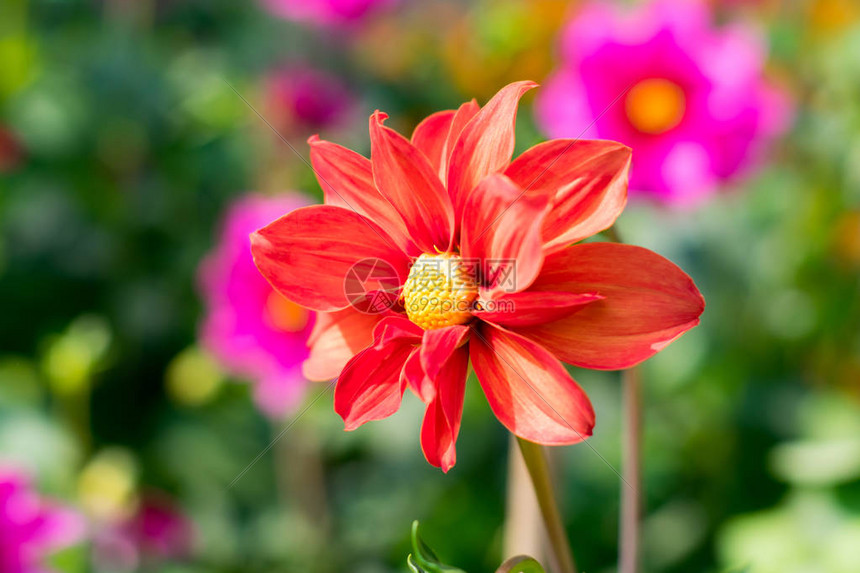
439,291
655,105
285,315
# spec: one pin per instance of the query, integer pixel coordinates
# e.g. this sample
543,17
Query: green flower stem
524,530
631,487
535,459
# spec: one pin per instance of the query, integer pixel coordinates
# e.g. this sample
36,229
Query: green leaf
520,564
423,559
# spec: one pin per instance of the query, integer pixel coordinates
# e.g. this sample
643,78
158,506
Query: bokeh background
128,129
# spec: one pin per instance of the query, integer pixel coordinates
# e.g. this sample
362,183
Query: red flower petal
486,144
437,346
396,328
501,227
431,134
405,177
442,419
528,389
461,119
346,179
307,253
648,303
335,338
436,442
438,133
415,378
533,307
586,181
371,385
427,360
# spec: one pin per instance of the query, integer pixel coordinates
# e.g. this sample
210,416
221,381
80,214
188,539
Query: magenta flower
301,99
30,527
254,332
325,13
689,99
161,529
158,531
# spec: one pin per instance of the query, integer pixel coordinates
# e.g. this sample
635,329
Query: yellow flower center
285,315
655,105
439,291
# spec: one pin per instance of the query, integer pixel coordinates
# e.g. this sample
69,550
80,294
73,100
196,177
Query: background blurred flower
252,330
160,528
30,527
688,98
157,531
302,100
325,12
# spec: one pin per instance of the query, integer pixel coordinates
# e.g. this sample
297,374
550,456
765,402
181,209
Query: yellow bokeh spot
67,365
20,65
71,359
107,484
284,314
439,291
193,377
655,105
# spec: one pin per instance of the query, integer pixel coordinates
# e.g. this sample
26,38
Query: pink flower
30,527
305,100
325,13
160,528
689,99
157,531
253,331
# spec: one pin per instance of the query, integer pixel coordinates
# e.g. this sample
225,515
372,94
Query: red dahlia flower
465,255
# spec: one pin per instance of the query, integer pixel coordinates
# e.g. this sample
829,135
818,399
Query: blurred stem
524,530
301,478
535,460
631,487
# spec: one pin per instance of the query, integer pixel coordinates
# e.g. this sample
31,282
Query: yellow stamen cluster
439,291
655,105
